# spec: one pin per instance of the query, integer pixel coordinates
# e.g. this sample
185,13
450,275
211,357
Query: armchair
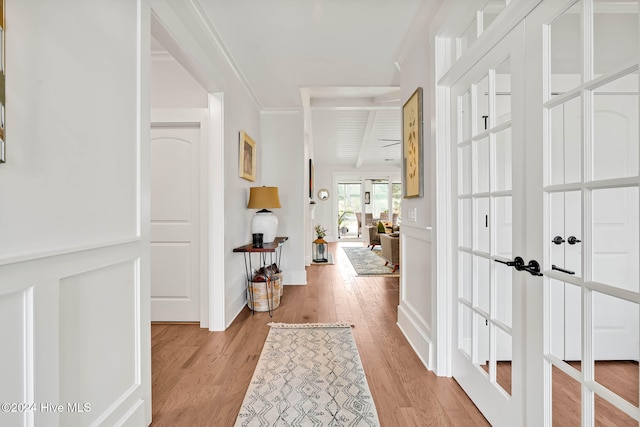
391,250
371,236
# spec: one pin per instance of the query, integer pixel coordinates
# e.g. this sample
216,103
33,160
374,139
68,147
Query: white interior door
489,309
589,118
175,289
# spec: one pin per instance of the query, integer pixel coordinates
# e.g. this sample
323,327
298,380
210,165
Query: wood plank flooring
200,377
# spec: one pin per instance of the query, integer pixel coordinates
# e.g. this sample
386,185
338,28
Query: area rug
308,375
369,262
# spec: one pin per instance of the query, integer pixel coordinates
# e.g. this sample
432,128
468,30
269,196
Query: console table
266,255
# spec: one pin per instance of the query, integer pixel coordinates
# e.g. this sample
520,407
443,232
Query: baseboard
294,277
418,338
235,307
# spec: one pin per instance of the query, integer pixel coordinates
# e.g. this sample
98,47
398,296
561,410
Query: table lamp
264,221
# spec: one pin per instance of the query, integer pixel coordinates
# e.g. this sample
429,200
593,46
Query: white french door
489,309
546,160
586,115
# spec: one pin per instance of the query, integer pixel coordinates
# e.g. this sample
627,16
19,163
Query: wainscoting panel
416,296
97,338
74,349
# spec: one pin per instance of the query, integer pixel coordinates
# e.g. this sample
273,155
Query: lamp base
265,222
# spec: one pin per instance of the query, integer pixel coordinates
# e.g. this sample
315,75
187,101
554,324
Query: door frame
211,209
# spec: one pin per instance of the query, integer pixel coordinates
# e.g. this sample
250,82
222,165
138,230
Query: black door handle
517,262
558,240
555,267
533,268
572,240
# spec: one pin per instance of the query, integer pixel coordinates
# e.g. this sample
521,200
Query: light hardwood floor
200,377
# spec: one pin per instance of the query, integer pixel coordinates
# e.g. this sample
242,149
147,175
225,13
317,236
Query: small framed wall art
412,166
248,157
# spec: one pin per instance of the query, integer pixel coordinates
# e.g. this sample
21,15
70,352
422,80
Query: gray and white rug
308,375
367,262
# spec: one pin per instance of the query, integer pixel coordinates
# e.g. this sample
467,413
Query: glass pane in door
615,120
615,248
565,124
566,53
567,399
482,105
502,181
605,412
615,345
504,351
482,165
504,294
615,28
503,93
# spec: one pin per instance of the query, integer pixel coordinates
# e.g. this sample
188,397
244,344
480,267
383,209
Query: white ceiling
335,59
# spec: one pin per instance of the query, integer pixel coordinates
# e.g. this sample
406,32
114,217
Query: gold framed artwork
412,165
248,157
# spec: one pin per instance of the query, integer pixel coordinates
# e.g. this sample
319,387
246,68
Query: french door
488,135
546,160
587,118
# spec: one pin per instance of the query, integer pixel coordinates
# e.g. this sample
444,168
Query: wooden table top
266,247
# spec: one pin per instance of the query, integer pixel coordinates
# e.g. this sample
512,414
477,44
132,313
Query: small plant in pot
320,232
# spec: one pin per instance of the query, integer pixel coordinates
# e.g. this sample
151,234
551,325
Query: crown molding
217,40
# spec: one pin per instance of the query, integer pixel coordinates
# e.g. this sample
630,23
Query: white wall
416,312
173,87
73,285
281,154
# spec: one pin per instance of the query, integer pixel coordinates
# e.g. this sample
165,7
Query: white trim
216,280
443,200
215,37
418,340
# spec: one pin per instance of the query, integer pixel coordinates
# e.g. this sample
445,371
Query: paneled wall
74,294
70,328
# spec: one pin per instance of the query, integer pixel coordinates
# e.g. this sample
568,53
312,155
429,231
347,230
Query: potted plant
342,217
320,231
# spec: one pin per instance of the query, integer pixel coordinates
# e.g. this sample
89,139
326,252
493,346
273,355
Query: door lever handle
558,240
517,262
572,240
555,267
533,268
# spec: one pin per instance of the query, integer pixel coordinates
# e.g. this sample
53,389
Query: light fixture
264,221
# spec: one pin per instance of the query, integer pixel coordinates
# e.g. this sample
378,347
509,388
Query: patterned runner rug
369,262
308,375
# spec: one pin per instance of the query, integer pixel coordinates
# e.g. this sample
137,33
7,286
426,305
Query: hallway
200,377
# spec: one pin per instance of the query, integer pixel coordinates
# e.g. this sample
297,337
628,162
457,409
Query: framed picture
367,198
248,157
311,178
412,165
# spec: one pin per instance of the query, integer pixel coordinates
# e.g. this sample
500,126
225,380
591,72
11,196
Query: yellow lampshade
263,198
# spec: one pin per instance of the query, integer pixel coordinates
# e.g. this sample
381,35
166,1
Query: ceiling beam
365,137
344,104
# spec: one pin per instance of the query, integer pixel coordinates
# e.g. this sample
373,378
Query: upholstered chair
371,236
390,250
